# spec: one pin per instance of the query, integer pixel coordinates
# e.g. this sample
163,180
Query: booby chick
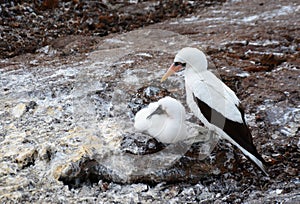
214,103
164,120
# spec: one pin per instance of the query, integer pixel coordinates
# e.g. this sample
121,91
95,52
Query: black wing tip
265,172
233,129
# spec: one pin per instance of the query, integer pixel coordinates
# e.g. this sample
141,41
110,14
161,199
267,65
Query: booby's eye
179,63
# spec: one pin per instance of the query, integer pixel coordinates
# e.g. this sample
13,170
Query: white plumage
212,91
214,103
163,120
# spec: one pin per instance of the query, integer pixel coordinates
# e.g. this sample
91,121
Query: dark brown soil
29,25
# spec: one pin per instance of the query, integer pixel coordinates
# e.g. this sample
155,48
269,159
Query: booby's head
164,120
187,58
171,107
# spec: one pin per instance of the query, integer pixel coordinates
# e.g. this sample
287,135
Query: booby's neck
196,68
190,72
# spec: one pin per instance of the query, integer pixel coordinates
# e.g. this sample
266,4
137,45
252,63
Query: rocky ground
29,25
71,71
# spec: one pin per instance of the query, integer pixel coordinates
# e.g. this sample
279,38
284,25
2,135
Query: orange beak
171,71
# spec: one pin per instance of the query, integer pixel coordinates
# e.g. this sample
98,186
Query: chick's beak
171,71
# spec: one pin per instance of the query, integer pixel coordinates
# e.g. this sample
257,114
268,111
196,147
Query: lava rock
146,95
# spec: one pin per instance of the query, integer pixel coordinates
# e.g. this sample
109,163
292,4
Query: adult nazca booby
214,103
